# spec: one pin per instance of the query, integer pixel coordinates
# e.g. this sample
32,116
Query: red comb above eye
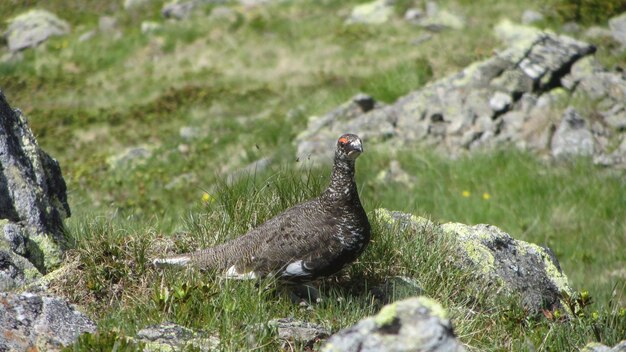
343,140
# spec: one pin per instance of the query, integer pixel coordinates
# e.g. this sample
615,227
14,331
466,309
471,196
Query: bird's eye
343,140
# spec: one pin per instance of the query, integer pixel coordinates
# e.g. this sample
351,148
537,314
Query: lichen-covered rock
182,9
598,347
439,19
530,271
375,12
415,324
31,28
15,270
32,193
520,267
291,330
30,322
173,337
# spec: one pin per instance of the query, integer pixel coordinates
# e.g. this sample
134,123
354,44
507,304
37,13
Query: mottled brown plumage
310,240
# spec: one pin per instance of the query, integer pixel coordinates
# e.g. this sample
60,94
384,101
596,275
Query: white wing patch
232,273
295,269
181,261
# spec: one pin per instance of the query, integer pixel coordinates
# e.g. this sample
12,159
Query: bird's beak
357,149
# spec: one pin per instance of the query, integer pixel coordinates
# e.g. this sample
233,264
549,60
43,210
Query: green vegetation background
249,83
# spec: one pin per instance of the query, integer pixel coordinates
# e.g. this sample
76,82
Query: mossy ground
247,85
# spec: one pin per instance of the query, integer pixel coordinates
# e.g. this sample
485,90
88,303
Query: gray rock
573,137
415,324
33,322
130,157
173,337
500,102
148,27
395,174
616,119
15,270
87,35
437,20
375,12
531,16
414,14
617,25
32,191
131,4
107,24
598,347
596,32
506,265
251,169
570,27
32,28
291,330
178,9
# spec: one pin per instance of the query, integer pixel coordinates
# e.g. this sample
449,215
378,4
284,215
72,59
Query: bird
310,240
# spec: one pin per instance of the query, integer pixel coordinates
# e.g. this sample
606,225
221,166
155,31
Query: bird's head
349,146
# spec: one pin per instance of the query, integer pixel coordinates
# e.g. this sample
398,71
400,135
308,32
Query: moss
386,315
44,252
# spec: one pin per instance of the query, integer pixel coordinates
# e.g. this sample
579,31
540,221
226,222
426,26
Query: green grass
249,85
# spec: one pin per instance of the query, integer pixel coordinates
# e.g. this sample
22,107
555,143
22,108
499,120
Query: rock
15,270
570,27
415,324
173,337
573,136
616,120
530,17
32,28
32,191
148,27
617,25
291,330
437,20
596,32
130,157
413,14
507,265
107,24
500,102
131,4
39,323
223,13
87,36
375,12
516,34
395,174
598,347
396,288
182,9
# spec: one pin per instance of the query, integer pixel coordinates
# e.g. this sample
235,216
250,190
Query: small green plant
587,11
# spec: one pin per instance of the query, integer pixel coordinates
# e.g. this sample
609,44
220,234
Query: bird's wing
294,244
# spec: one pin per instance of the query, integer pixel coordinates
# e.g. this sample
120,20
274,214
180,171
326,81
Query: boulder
31,322
598,347
531,16
375,12
291,330
617,25
437,19
32,28
514,97
508,266
573,137
182,9
33,198
415,324
396,288
173,337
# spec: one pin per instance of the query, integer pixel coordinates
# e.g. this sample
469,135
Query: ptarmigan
313,239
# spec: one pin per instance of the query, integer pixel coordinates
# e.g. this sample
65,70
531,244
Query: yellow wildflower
466,194
207,198
486,196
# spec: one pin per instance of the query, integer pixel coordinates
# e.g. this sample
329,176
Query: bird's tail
179,260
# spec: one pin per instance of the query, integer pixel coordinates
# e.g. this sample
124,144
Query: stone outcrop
598,347
32,28
290,330
517,97
33,200
415,324
30,322
173,337
507,266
